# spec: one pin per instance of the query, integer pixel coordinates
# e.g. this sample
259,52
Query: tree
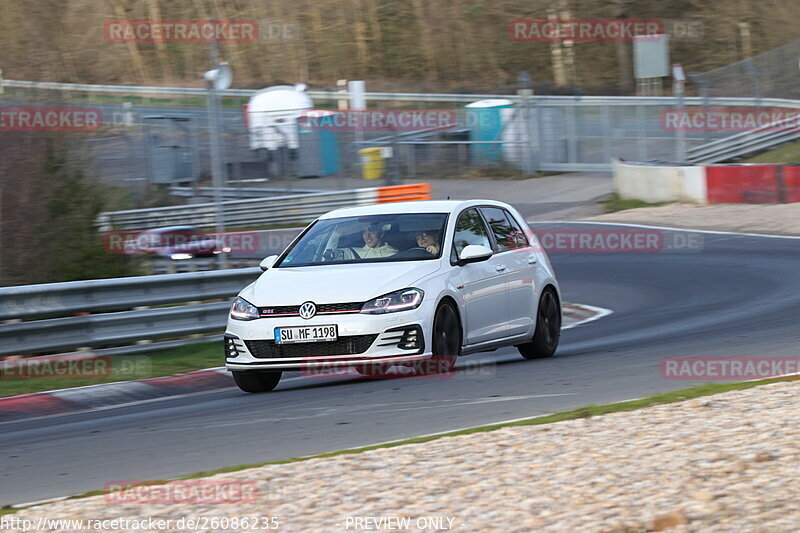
48,213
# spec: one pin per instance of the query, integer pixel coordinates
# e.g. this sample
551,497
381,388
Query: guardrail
298,208
745,143
112,328
57,301
404,97
235,192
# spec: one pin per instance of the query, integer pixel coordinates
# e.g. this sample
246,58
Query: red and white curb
109,395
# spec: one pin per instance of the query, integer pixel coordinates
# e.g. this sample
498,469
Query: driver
374,245
428,240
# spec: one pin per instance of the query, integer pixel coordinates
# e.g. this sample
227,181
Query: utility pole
219,78
679,80
525,92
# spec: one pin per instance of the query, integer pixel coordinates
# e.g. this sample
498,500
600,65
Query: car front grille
351,345
294,310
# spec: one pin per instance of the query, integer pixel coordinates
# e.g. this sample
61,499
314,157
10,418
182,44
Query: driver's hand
432,249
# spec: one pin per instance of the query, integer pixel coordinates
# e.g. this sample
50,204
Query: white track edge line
671,228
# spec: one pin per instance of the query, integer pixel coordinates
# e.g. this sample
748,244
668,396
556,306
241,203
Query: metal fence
773,74
548,133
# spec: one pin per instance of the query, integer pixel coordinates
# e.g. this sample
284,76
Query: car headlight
243,310
401,300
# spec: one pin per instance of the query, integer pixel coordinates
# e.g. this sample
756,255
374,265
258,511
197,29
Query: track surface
740,296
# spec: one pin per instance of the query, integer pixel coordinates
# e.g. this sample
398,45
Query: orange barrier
404,193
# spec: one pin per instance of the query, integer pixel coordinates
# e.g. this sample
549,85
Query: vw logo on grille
307,310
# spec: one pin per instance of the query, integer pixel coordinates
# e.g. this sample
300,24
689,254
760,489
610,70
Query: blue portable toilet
485,119
318,153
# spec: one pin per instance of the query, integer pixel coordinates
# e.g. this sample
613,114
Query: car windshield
369,239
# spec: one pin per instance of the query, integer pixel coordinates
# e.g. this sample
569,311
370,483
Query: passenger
429,240
374,245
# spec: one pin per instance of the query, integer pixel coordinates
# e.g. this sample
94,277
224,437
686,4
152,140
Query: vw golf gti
410,283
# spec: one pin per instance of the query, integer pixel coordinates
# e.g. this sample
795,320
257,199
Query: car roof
424,206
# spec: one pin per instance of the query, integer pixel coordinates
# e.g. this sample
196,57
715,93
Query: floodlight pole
216,159
525,92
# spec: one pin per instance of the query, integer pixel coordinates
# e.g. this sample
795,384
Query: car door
517,263
483,288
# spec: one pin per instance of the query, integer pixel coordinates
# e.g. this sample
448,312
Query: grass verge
127,367
615,203
498,173
583,412
785,154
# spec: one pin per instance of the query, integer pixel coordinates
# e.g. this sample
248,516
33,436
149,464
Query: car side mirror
268,262
474,253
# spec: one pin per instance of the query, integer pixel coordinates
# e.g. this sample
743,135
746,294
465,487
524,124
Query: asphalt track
738,296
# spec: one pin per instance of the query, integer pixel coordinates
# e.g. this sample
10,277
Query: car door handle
500,268
532,260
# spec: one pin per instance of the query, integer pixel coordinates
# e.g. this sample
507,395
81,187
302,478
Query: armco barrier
298,208
50,310
63,299
126,327
712,184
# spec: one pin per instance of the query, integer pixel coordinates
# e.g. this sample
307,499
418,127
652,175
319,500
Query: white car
411,283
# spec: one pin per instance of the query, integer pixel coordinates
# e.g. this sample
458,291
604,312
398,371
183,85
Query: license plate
305,334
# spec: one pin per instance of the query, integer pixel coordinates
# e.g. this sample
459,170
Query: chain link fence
773,74
164,138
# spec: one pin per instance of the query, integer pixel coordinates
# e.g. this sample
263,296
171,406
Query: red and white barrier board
712,184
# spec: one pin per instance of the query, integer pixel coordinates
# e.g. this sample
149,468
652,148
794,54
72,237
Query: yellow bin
372,166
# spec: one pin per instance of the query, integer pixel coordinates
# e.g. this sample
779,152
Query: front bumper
363,339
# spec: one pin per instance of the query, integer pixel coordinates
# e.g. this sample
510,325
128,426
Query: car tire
548,328
256,380
445,341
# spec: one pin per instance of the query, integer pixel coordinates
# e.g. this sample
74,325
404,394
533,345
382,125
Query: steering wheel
340,254
415,253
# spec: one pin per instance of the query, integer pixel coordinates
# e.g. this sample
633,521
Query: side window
502,230
518,237
470,229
